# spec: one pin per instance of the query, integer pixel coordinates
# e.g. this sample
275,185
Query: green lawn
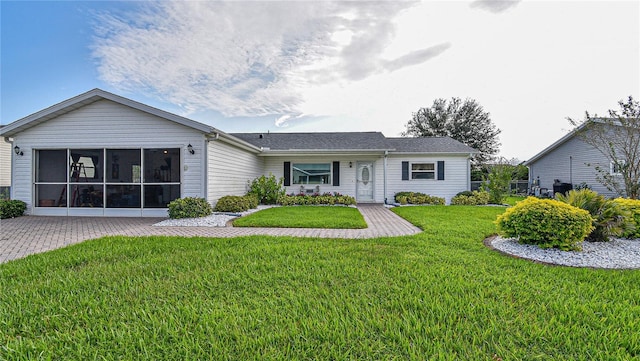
304,217
440,295
512,200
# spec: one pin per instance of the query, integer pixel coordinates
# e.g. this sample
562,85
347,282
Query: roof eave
266,152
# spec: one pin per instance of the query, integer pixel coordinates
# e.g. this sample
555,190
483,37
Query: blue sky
328,66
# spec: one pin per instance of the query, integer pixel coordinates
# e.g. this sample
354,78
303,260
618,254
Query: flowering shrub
316,199
417,198
189,207
547,223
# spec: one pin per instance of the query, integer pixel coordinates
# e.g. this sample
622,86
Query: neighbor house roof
429,145
336,141
560,141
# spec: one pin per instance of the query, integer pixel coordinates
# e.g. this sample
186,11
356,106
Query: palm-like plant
610,219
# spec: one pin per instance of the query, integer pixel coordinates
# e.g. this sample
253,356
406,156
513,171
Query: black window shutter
336,174
405,170
441,170
287,173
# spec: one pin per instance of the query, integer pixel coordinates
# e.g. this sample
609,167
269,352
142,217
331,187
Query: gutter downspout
12,166
386,153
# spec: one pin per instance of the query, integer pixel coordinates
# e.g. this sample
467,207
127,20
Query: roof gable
90,97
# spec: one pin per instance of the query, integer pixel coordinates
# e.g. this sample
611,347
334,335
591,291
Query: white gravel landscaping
218,219
615,254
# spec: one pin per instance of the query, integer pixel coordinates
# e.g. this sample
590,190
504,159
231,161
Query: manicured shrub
609,217
316,199
417,198
475,198
267,189
633,206
547,223
189,207
236,203
12,208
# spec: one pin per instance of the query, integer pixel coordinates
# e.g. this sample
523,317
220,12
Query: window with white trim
311,173
423,171
615,168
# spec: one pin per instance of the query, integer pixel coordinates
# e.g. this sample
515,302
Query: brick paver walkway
20,237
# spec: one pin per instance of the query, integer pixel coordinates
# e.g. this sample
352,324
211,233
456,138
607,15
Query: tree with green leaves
617,137
463,120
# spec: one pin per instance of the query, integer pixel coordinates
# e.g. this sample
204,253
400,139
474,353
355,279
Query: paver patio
22,236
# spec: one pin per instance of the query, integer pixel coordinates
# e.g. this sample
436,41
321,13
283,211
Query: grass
440,295
512,200
304,217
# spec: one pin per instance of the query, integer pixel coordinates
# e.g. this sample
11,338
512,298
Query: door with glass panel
364,181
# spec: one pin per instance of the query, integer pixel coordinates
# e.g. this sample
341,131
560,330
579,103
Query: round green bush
236,203
547,223
189,207
12,208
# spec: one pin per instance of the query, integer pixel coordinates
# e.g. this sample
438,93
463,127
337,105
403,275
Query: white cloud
247,58
494,6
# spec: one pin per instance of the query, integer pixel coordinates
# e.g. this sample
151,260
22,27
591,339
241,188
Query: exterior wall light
17,150
190,149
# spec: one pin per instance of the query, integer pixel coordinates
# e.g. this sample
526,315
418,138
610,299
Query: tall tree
465,121
618,138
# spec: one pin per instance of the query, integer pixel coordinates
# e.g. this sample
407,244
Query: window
107,178
423,171
616,168
312,173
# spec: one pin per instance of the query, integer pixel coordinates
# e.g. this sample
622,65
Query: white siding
229,170
5,163
275,165
569,164
105,124
456,176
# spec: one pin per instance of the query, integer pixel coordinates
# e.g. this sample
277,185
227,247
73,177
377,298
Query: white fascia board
230,139
312,152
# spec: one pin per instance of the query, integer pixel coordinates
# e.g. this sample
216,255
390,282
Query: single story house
570,161
99,154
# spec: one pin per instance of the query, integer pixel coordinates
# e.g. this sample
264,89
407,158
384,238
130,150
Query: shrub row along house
99,154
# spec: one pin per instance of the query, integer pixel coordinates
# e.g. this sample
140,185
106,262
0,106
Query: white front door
364,181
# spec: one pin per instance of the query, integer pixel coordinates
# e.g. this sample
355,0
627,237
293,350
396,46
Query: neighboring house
101,154
569,160
5,166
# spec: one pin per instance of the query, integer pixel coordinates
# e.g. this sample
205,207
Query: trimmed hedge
468,198
316,199
189,207
236,203
633,206
12,208
417,198
547,223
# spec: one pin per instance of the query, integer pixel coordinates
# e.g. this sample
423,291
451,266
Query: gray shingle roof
353,141
429,145
317,141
